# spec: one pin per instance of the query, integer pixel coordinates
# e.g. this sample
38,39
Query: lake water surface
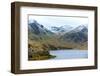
69,54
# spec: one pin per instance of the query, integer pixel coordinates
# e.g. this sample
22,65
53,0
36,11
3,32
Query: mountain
77,35
65,33
37,31
37,28
61,29
81,28
57,37
41,40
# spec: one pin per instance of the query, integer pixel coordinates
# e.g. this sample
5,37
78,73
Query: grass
42,57
41,47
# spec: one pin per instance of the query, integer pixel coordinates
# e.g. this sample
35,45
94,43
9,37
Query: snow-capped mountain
81,27
79,34
66,32
68,29
61,29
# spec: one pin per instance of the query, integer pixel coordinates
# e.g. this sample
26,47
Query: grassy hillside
42,47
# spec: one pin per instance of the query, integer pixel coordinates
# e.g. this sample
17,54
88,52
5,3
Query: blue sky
58,21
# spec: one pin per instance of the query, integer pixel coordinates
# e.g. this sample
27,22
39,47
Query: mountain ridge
77,35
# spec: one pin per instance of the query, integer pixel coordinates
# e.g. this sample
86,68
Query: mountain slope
58,36
78,35
37,31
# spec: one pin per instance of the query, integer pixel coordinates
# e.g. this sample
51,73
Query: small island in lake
56,39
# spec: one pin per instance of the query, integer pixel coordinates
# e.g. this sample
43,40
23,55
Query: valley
41,40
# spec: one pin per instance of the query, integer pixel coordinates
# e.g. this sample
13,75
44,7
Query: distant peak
80,27
32,21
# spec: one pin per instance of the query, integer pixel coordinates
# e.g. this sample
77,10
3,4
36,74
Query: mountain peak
61,29
37,28
32,21
79,28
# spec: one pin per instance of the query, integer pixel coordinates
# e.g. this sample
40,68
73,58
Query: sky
58,21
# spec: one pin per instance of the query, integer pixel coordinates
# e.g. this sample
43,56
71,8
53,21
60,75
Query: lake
69,54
